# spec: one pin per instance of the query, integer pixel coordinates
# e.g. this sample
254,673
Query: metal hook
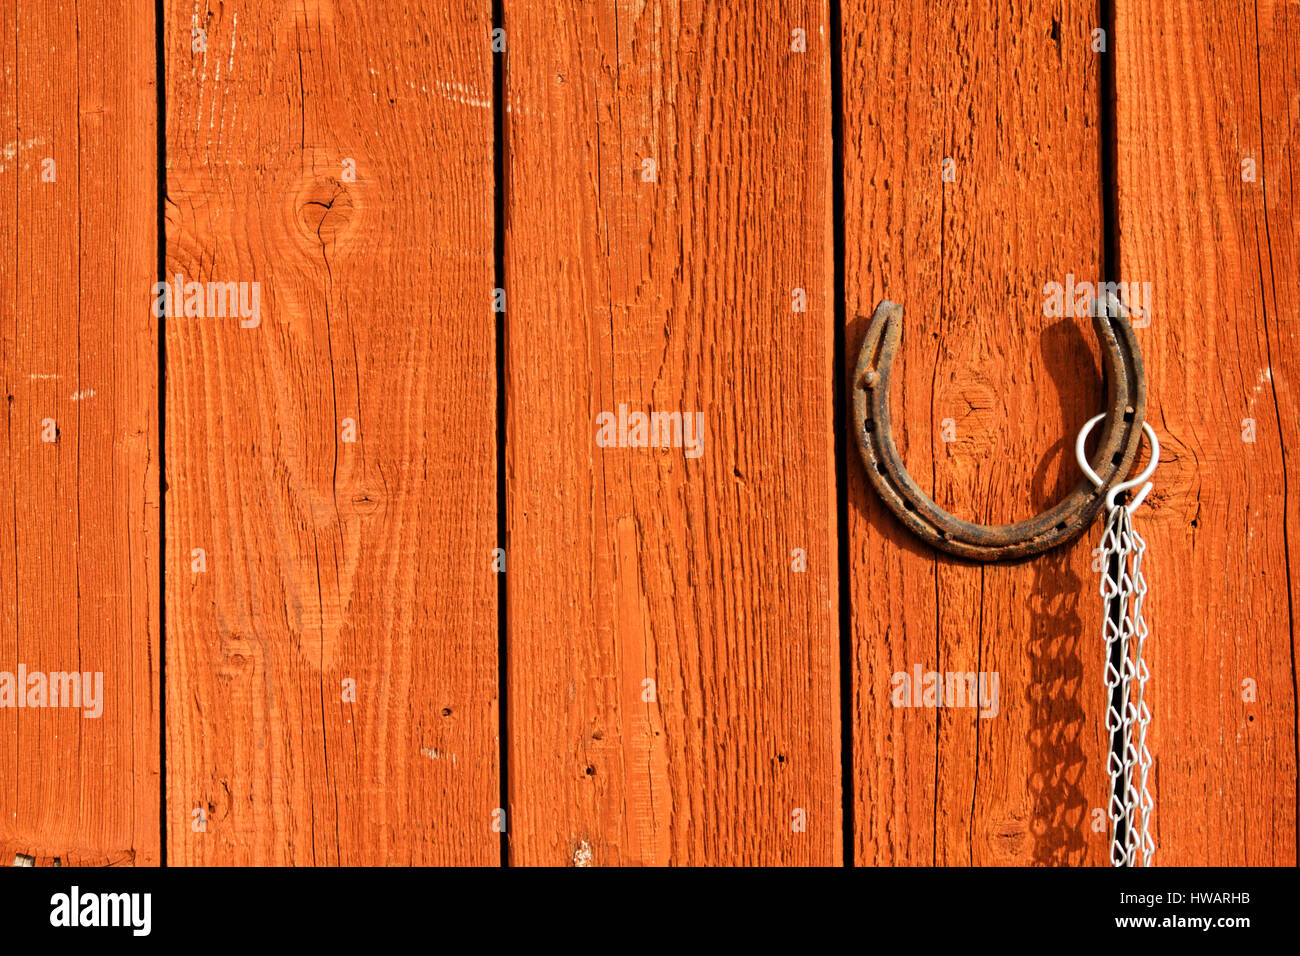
1117,489
1116,451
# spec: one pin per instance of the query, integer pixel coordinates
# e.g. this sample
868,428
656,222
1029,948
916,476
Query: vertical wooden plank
673,676
1208,108
334,460
78,360
971,180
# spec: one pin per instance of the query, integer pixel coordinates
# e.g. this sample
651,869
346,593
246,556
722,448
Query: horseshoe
1121,435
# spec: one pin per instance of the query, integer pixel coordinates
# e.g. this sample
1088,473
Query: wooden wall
478,229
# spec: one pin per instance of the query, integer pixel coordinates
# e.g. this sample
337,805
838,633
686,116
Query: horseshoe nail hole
1061,526
1129,415
1117,457
907,503
869,424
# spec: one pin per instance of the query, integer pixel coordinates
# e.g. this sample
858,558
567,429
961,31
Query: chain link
1128,714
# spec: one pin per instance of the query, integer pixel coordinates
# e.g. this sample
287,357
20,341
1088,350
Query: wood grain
672,634
987,400
636,564
78,362
331,560
1200,90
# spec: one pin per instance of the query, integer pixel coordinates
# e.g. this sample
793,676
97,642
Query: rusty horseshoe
1121,435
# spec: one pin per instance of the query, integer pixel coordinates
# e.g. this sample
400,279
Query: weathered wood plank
78,476
628,565
331,560
1208,105
987,400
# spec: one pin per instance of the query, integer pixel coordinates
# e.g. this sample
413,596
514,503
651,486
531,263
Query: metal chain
1124,589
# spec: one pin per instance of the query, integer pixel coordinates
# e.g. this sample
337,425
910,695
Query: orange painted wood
673,621
987,399
628,565
1200,92
78,364
329,560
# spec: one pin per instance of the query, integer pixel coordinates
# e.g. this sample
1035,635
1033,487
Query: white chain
1123,590
1124,632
